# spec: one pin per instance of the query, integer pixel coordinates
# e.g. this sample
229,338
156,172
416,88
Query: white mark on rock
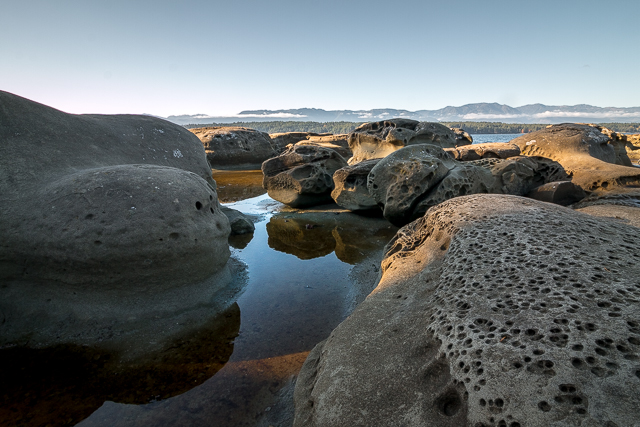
531,142
177,154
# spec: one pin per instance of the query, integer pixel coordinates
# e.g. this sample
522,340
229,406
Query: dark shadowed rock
585,153
378,139
238,221
491,310
488,150
633,148
235,147
302,175
559,192
351,190
462,137
102,219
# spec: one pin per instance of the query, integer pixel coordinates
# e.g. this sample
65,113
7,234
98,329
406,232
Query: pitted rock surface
235,147
102,218
538,326
411,180
378,139
587,155
488,150
302,175
351,190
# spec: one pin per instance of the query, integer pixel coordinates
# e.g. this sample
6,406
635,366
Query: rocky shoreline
508,297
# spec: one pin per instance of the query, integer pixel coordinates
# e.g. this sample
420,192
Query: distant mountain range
481,112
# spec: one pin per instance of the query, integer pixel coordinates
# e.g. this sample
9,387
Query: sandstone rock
462,137
238,221
102,218
283,139
351,190
559,192
379,139
235,147
618,141
489,150
585,153
538,326
633,148
411,180
302,175
335,142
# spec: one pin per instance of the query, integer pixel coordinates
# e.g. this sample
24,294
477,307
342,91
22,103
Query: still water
302,273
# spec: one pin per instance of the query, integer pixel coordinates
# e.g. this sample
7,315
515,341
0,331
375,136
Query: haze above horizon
219,58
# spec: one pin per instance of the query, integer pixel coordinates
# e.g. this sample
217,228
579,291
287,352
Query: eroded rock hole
198,205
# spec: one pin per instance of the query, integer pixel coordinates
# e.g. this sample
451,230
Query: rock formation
411,180
378,139
491,310
302,175
559,192
102,219
351,190
462,137
488,150
587,154
235,147
633,148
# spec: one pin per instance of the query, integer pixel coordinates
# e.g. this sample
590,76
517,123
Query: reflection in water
238,185
64,384
311,235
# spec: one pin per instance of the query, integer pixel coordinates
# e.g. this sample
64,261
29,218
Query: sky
221,57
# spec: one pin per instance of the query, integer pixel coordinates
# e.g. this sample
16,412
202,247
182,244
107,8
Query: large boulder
351,190
587,154
102,218
282,139
338,143
235,148
411,180
302,175
379,139
462,137
491,310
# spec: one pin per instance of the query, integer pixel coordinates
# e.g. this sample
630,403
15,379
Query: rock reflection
238,185
311,235
63,384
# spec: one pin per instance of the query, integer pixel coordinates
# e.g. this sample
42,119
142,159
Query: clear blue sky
220,57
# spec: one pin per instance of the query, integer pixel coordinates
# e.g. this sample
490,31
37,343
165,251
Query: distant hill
533,113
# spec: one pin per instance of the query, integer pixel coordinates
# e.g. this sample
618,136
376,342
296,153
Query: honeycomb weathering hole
198,205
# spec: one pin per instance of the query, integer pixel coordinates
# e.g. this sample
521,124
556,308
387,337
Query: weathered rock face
618,142
302,175
239,222
335,142
379,139
98,209
585,153
488,150
351,190
462,137
632,147
235,147
411,180
281,140
539,326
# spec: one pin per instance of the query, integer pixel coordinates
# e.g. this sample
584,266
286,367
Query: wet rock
411,180
102,218
462,137
529,330
378,139
302,175
351,190
586,154
489,150
235,147
238,221
559,192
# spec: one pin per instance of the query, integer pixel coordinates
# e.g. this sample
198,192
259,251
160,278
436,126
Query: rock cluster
491,310
235,147
378,139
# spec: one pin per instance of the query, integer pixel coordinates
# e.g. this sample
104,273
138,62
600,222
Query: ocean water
494,137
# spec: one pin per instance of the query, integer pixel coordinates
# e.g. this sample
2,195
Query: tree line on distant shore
346,127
